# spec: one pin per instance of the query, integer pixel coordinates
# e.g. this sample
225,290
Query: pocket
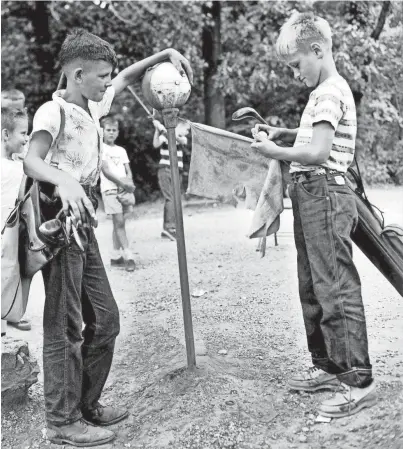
315,188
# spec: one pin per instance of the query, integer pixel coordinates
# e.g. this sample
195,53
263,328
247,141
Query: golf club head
244,113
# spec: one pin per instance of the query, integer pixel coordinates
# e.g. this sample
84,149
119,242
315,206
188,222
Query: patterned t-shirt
80,147
333,102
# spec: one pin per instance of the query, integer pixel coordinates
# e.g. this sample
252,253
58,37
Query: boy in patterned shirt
76,361
325,214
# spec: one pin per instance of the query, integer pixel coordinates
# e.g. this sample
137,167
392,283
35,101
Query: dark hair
12,94
80,44
9,117
109,120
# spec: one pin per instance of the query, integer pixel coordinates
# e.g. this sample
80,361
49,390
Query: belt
302,176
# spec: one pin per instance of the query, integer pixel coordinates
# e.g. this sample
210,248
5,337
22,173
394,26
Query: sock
116,254
127,254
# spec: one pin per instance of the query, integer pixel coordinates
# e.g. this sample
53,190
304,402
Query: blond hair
300,30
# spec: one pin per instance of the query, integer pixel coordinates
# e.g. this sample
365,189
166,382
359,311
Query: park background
231,48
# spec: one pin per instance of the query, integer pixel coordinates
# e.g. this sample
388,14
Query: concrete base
18,372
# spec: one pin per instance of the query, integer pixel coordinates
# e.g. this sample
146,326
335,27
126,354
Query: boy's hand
127,185
181,64
73,197
273,133
265,146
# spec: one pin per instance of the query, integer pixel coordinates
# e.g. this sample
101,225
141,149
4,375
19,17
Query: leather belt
302,176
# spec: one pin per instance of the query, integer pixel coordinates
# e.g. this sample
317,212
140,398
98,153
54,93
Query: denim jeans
325,214
76,361
166,186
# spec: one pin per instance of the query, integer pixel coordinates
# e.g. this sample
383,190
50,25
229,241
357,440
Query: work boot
79,434
314,379
348,401
104,416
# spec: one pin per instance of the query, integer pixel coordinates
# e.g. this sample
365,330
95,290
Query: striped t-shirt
164,153
332,101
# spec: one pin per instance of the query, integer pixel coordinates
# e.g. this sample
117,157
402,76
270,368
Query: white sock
116,254
127,254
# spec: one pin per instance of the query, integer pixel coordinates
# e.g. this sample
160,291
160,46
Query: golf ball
262,134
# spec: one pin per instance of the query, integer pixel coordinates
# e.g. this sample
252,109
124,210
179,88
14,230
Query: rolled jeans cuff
356,377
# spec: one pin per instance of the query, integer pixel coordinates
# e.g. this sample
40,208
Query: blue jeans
76,361
325,214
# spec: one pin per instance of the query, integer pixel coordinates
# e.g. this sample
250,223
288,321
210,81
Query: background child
14,136
116,176
160,141
12,98
325,214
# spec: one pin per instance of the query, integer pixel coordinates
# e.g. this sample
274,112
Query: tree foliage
367,49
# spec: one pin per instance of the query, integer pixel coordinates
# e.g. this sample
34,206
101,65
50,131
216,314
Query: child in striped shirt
325,215
160,141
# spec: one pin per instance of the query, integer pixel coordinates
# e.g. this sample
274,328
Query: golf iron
243,113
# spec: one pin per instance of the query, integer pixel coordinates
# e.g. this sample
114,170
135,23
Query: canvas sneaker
171,234
120,262
348,401
314,379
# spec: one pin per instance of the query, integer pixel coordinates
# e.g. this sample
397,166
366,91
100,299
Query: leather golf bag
383,245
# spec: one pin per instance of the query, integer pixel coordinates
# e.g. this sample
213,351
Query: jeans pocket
315,188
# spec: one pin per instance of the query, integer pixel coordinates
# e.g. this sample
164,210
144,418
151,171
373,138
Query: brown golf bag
383,245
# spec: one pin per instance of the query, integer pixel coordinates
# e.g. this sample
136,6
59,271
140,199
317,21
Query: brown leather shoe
104,416
79,434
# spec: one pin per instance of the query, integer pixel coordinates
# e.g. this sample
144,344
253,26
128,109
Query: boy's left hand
181,64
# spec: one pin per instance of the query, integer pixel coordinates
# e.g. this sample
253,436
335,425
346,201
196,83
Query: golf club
244,113
150,115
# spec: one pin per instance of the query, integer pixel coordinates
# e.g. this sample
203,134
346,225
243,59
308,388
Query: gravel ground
249,339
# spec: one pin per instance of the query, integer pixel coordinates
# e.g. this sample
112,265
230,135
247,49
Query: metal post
170,117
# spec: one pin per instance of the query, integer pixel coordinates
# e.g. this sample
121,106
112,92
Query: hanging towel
224,167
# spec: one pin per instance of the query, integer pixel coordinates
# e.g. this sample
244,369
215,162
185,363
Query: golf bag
383,245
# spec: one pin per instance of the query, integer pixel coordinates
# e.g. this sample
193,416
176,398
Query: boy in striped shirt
325,214
160,141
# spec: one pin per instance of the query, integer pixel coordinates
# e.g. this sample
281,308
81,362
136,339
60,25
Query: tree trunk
40,23
214,105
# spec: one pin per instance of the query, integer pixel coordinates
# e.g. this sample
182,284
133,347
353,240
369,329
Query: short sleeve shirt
80,146
333,102
116,157
12,173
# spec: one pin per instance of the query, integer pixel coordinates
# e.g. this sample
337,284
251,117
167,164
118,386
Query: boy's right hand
273,133
128,186
74,198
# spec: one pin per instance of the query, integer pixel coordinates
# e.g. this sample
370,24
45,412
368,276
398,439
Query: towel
224,167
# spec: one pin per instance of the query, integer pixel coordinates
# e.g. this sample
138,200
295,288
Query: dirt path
249,339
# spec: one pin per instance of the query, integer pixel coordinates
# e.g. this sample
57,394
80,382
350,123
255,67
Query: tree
231,49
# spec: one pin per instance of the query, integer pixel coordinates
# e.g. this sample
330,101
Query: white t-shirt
11,177
116,157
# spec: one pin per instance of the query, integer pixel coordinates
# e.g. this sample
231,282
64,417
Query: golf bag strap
55,154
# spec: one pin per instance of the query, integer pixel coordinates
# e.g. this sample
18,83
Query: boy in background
116,177
81,317
325,215
160,140
12,98
14,136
